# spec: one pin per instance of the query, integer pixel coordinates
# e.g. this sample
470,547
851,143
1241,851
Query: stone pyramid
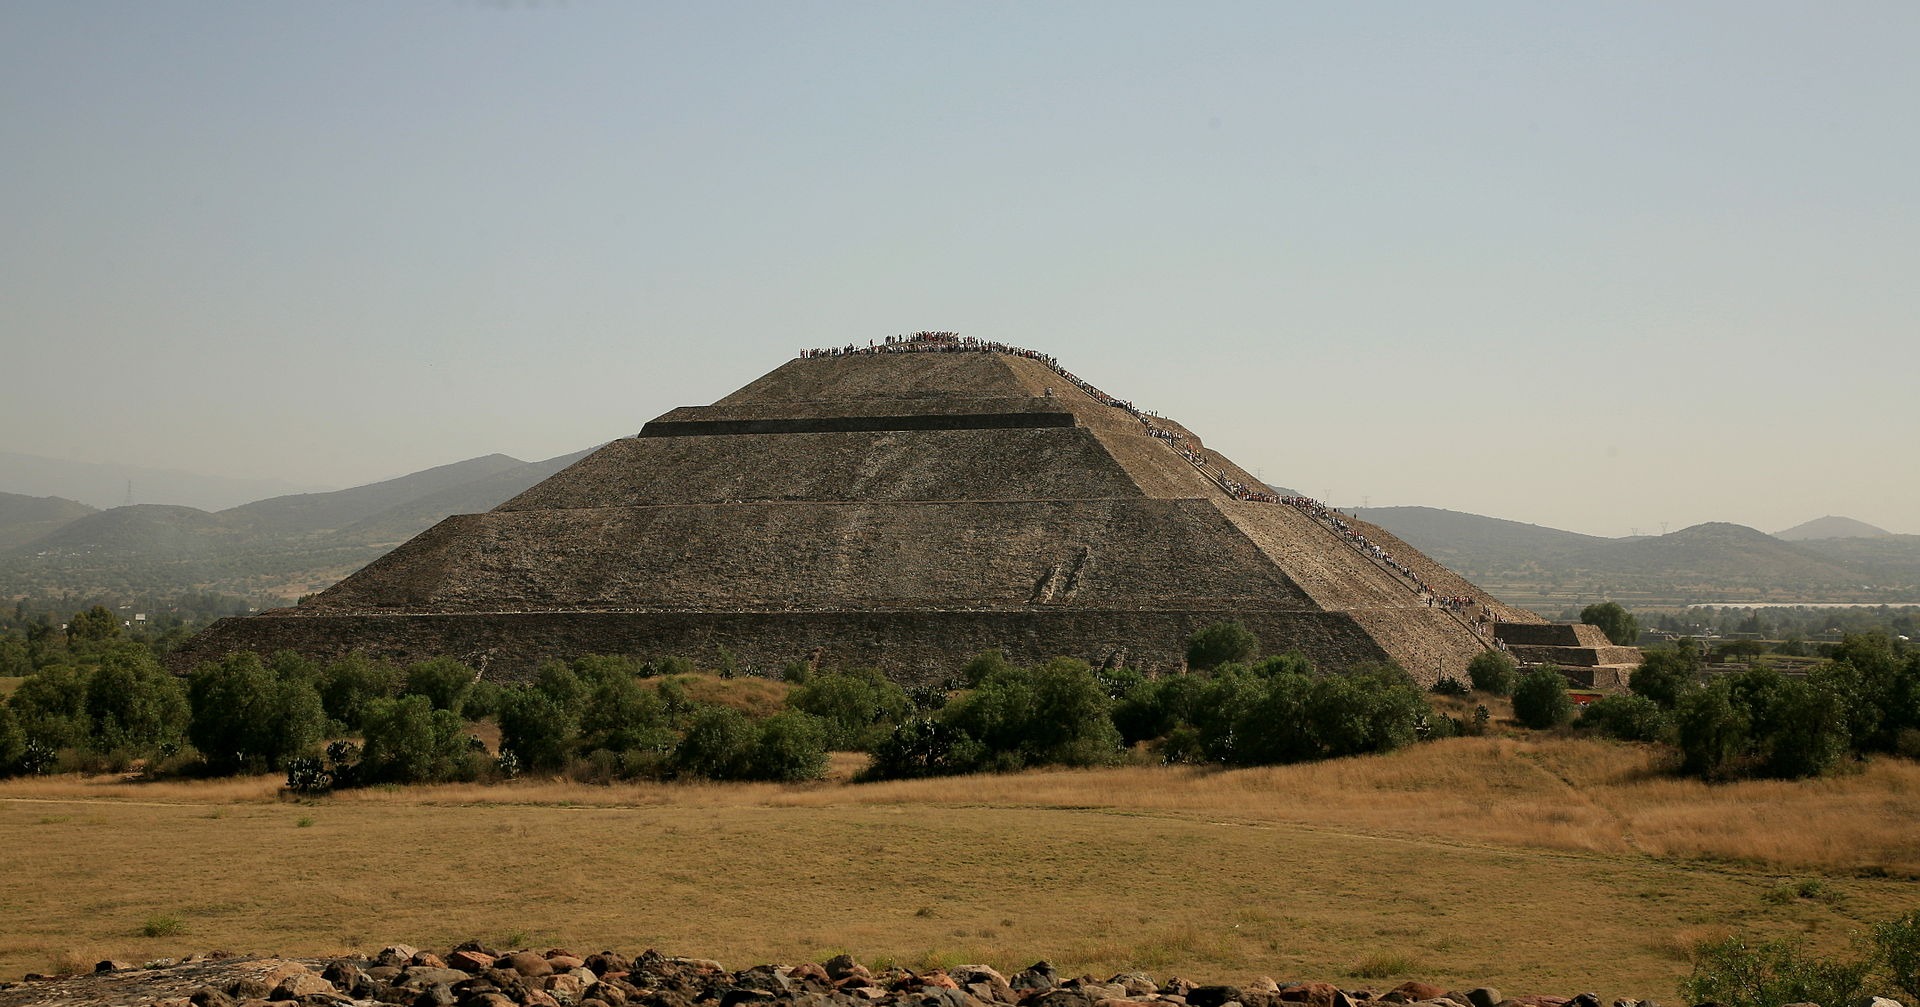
903,508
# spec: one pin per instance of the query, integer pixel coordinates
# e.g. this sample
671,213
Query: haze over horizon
1595,269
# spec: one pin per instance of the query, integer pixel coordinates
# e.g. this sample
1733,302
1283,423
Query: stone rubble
473,975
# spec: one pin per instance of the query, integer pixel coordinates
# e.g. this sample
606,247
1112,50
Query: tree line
357,721
107,704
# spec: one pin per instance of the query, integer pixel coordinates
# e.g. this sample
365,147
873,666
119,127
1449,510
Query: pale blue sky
1595,266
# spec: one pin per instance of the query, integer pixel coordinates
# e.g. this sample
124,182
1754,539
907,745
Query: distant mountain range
1830,527
109,485
281,546
294,544
1704,564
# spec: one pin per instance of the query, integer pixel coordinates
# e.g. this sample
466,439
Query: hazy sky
1595,266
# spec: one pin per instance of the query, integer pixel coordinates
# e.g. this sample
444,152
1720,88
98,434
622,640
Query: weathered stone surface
300,985
1038,976
1416,990
421,976
471,962
397,954
1314,994
1483,996
653,980
528,963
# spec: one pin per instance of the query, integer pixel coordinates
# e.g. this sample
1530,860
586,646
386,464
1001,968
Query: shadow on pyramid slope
900,509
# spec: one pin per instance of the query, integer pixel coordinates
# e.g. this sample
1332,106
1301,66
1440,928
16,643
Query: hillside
1547,569
410,517
25,518
1830,527
284,546
310,513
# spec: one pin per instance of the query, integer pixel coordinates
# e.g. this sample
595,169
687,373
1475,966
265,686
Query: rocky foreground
472,975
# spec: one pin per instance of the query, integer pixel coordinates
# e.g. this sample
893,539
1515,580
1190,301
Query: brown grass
756,697
1536,866
9,683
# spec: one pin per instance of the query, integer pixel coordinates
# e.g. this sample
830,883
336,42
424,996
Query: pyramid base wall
911,647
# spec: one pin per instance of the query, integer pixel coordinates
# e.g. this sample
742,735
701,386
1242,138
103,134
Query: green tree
620,716
1618,623
1221,643
1627,717
350,686
1666,673
1071,724
719,745
13,742
1492,672
51,707
246,718
95,625
1156,706
859,707
409,741
1806,731
792,746
444,681
1712,730
134,705
1540,699
537,729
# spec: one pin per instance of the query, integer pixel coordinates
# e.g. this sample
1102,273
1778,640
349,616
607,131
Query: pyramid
901,507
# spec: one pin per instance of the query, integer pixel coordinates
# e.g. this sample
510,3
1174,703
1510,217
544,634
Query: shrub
1627,717
792,746
410,741
1711,729
923,747
50,707
622,717
1805,731
1492,672
1450,686
983,666
1219,644
1666,673
1154,707
535,729
719,745
668,667
134,705
13,742
857,708
1540,699
1898,943
348,686
1733,973
483,700
444,681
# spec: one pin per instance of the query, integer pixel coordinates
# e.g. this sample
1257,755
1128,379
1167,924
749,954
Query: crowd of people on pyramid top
954,342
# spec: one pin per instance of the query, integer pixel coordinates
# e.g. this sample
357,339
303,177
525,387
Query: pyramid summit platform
903,507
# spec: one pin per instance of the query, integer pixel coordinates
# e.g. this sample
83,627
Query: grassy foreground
1550,866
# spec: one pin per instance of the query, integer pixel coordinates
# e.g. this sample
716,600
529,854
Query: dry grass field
1551,866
